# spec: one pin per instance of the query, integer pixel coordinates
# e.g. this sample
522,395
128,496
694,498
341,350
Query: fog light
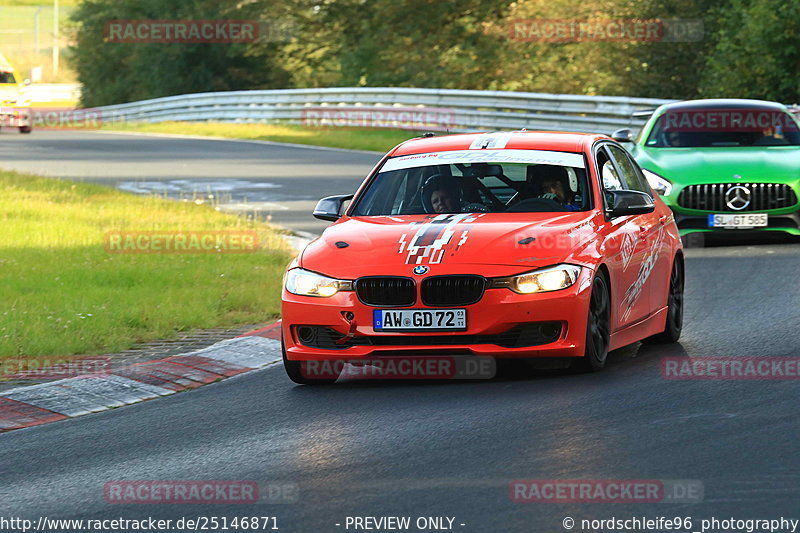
306,334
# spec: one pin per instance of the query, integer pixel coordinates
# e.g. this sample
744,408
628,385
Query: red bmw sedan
507,245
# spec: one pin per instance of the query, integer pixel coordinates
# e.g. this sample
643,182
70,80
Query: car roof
5,64
517,140
722,103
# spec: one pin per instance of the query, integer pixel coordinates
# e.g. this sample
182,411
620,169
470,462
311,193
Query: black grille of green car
447,291
389,291
762,196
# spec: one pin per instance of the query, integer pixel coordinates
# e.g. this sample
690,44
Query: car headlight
659,184
305,283
548,279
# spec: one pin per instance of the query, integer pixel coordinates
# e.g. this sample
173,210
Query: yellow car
15,109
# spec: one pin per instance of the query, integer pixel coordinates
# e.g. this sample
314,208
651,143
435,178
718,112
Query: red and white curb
91,393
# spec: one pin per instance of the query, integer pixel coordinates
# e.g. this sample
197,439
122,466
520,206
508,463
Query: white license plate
742,221
419,319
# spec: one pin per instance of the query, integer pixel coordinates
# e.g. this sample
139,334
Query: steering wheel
536,205
475,208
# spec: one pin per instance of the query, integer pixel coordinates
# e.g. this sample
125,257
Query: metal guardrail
408,108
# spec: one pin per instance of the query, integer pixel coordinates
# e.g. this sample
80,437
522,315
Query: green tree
648,68
411,43
669,68
112,72
757,53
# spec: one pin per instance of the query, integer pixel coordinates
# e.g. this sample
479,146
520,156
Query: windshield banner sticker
539,157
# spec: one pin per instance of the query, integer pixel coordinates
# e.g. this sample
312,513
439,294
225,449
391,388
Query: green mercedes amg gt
723,164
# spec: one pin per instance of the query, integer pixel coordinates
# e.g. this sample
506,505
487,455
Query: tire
295,373
25,129
694,240
598,328
674,325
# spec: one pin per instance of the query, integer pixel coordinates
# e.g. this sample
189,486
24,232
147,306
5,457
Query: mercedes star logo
737,197
420,270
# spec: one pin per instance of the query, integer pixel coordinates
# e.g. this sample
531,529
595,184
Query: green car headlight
659,184
305,283
549,279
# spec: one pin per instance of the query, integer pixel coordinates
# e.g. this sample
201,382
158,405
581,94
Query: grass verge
374,139
63,293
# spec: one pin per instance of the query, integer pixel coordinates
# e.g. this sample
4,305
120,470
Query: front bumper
492,324
786,219
789,223
14,117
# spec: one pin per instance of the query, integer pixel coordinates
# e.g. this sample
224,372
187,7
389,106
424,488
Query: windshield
697,128
512,181
7,77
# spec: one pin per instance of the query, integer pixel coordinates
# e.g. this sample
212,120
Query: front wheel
295,371
674,325
25,129
598,328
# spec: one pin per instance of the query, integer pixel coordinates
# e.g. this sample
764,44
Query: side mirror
624,203
26,82
330,208
623,136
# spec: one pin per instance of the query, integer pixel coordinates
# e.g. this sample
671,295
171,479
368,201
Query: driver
555,186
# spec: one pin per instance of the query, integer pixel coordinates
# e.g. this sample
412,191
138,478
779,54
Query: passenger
674,139
441,194
442,201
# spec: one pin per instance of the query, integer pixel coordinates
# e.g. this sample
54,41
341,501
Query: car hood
501,243
9,91
687,166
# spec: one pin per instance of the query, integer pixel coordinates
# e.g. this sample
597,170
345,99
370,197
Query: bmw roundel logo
420,270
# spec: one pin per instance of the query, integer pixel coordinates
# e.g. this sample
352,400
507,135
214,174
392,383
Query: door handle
663,219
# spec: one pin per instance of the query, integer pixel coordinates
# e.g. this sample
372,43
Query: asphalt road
448,448
278,181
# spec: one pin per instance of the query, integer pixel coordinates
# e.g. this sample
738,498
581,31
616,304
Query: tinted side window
634,179
608,174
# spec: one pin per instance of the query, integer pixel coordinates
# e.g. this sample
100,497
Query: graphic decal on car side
635,290
434,237
627,250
